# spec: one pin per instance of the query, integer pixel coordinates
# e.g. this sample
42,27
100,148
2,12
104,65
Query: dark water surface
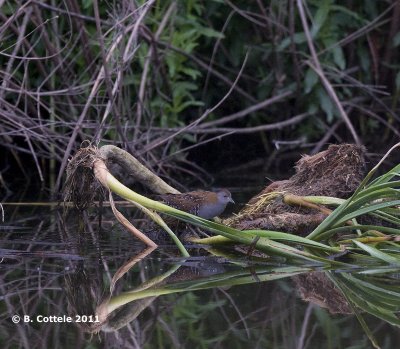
56,269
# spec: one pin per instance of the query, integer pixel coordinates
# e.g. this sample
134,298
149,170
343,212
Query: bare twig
307,315
246,111
316,66
133,28
276,125
205,66
146,66
205,114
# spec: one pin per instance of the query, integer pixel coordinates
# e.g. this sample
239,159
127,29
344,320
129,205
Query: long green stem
262,243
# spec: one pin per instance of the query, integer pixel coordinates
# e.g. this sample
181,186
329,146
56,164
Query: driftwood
81,185
88,168
132,167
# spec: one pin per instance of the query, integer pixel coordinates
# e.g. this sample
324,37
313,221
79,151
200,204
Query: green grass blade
365,210
374,252
275,235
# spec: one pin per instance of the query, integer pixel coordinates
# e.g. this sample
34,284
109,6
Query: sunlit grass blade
273,235
331,232
388,176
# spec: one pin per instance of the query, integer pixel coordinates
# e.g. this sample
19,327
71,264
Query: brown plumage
205,204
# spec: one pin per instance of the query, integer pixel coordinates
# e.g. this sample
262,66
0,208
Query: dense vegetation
161,77
183,85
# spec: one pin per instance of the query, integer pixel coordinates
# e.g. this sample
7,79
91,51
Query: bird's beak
231,200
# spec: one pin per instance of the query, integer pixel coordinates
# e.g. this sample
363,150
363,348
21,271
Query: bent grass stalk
367,199
263,244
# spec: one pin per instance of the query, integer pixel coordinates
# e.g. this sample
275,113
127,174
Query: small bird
205,204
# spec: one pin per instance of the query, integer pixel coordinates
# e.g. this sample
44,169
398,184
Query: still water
84,282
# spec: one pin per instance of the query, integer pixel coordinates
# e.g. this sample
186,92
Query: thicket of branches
160,77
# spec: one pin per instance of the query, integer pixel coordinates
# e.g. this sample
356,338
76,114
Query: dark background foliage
188,86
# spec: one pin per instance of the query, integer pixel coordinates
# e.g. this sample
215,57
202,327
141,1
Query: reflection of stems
111,304
306,321
221,280
128,265
126,315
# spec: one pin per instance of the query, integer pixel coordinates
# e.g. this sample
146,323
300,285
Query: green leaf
326,104
187,104
310,80
312,109
276,235
374,252
211,33
298,38
171,60
321,16
86,4
364,210
193,73
346,11
338,57
396,40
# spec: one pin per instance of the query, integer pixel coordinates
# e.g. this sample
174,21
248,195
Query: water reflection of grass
206,312
361,293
